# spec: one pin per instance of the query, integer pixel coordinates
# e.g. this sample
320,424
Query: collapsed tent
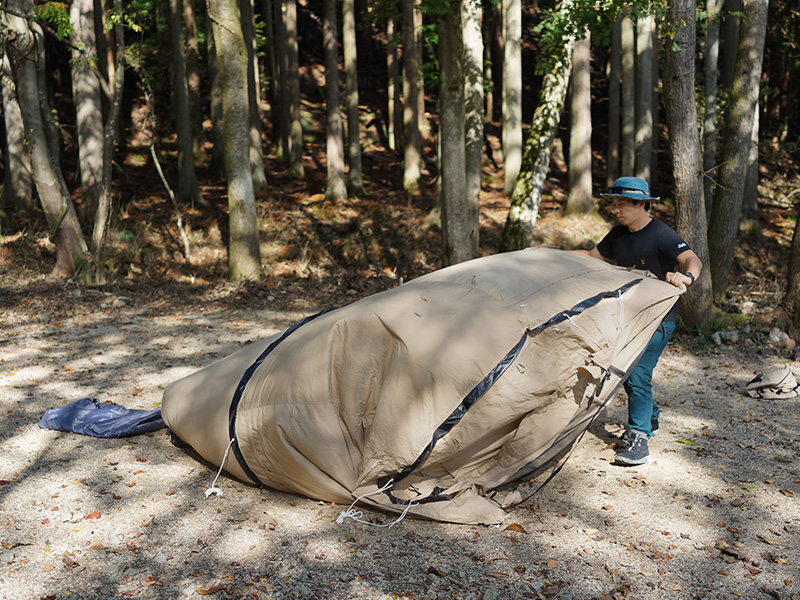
426,396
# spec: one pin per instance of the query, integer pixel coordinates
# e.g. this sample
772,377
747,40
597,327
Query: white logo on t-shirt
681,245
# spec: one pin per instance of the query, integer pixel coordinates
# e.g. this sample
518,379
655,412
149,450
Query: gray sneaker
635,451
653,430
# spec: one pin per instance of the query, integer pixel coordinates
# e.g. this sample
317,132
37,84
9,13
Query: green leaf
687,442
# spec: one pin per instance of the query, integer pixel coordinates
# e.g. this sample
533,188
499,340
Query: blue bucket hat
632,188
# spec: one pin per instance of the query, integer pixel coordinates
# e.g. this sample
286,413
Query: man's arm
690,263
594,253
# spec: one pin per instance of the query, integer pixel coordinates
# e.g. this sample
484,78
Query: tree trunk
350,51
394,108
614,71
270,32
422,116
749,222
791,300
628,136
336,189
244,259
731,31
735,152
187,179
296,168
65,231
644,96
710,63
512,93
524,208
580,199
679,90
103,217
253,96
193,79
215,101
459,217
17,180
412,149
88,106
473,103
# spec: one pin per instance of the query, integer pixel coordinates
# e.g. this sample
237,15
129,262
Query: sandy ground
715,514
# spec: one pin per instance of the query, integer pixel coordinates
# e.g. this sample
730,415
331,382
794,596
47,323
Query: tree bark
412,149
18,179
336,189
244,259
187,178
215,102
459,217
628,117
580,199
710,64
253,96
735,152
524,208
394,98
473,104
644,96
512,93
679,89
193,79
749,223
350,51
614,71
65,231
88,102
296,168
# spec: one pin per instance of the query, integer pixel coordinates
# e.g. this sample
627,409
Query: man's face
626,211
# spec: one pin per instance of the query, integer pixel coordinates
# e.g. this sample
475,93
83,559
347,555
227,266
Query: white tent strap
213,489
569,318
356,515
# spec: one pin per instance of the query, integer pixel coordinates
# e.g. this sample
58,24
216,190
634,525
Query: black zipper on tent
248,374
482,387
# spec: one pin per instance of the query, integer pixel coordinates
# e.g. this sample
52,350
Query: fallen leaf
94,515
766,540
212,586
687,442
787,493
608,507
516,527
45,521
4,482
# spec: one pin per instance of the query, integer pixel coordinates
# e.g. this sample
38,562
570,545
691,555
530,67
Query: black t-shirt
655,248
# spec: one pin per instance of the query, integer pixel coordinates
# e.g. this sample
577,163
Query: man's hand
678,279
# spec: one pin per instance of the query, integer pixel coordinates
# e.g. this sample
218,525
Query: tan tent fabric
446,386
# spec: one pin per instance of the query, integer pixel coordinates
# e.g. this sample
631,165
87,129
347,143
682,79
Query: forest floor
713,515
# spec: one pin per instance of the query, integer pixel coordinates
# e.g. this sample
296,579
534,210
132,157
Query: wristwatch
690,275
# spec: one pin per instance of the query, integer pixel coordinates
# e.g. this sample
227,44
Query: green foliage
56,14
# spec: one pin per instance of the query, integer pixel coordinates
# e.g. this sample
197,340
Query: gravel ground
715,514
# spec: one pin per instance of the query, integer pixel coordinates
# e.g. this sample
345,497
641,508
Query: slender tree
188,190
87,97
336,189
253,96
65,231
710,64
644,96
18,179
580,199
736,145
613,69
412,148
292,87
471,17
679,90
512,93
394,96
628,135
244,258
459,214
355,178
193,79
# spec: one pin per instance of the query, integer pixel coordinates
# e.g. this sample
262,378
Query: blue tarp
89,416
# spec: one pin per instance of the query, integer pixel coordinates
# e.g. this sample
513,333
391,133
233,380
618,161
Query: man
643,242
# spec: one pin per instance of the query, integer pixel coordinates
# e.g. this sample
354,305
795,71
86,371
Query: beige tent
428,395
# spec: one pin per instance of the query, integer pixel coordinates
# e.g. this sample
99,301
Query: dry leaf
212,586
787,493
94,515
516,527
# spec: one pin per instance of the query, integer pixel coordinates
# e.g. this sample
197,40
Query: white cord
569,318
356,515
215,490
